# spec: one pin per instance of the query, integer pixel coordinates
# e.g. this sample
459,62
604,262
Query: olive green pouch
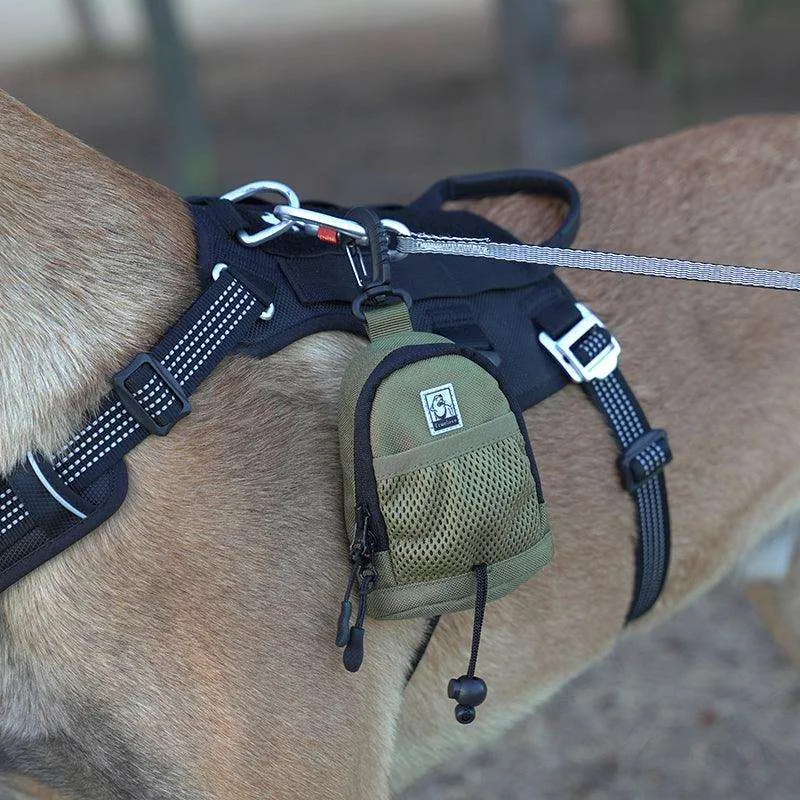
439,475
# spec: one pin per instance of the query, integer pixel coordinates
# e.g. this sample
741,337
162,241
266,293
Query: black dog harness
260,294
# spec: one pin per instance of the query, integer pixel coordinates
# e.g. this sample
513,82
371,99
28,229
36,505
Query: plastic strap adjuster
135,407
644,459
602,362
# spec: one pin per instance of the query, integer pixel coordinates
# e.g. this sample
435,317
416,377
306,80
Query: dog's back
185,649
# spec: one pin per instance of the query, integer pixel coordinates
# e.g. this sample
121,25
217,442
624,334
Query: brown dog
184,650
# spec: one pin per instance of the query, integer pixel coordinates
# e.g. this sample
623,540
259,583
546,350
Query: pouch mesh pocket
480,507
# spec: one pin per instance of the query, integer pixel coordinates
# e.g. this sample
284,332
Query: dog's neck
95,260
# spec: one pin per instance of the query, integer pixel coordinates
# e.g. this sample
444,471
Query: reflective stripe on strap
39,519
580,342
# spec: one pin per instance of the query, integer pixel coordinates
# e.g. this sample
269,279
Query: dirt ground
705,707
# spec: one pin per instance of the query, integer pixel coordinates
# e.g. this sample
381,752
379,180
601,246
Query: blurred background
373,100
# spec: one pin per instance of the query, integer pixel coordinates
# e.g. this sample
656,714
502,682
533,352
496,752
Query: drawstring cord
469,691
482,581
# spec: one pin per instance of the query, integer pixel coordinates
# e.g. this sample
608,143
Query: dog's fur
184,650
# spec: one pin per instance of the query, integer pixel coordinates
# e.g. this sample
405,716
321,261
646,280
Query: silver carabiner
290,216
311,221
275,225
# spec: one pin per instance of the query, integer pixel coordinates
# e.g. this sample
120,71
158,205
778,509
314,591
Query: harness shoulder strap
48,504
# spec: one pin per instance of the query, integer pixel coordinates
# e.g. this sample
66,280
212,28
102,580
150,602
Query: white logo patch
441,409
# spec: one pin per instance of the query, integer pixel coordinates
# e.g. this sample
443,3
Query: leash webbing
593,260
47,504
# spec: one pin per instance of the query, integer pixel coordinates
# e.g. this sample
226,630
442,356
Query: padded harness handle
497,184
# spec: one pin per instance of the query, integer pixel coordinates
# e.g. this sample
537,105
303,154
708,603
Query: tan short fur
185,649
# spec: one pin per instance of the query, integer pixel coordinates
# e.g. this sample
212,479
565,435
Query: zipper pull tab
353,655
359,558
343,626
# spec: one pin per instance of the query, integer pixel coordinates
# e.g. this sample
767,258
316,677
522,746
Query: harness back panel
475,302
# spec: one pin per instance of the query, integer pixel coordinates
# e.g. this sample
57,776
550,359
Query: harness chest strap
589,354
45,506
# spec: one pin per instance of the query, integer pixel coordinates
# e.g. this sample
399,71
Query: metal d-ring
274,228
396,227
264,315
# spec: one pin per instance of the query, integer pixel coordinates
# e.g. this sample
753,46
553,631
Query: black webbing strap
46,505
644,451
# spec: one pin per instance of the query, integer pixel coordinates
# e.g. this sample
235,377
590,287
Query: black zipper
362,575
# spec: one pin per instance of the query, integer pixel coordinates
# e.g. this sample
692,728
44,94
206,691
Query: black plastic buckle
379,294
135,408
634,472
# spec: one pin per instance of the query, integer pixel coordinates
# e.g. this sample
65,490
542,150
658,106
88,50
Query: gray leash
291,216
604,262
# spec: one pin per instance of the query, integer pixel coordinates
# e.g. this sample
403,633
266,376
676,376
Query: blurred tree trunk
657,45
86,16
538,81
192,162
654,29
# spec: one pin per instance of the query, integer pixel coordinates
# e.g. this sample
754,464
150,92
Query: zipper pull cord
358,553
343,626
353,655
469,691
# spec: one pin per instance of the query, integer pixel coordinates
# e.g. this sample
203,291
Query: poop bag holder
442,498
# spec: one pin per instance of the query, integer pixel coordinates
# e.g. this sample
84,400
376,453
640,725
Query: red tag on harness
328,235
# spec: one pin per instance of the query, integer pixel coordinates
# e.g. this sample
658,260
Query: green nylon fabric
398,421
454,593
477,508
385,320
357,372
454,481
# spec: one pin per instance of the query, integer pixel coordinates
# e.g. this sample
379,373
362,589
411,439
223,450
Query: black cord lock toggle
467,690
